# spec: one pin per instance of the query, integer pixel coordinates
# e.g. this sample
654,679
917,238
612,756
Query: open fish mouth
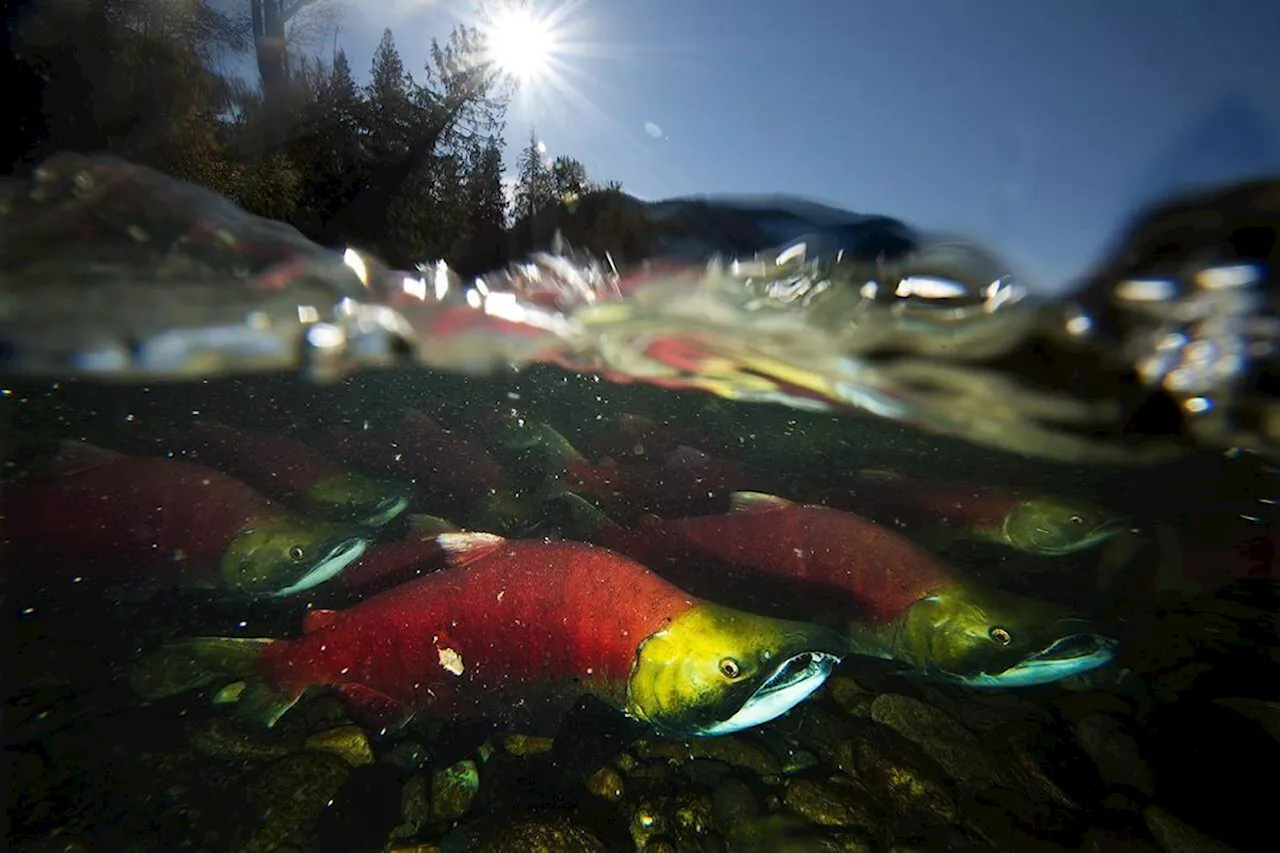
386,510
1064,657
790,684
329,566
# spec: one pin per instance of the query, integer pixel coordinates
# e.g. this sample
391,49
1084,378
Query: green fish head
714,670
355,498
288,554
532,445
983,637
1053,527
504,512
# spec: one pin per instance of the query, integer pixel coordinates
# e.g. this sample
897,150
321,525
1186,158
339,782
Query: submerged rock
940,736
834,802
900,775
349,743
289,796
789,833
1176,836
734,751
408,754
452,790
650,819
542,835
731,803
1115,753
1098,840
528,745
220,737
816,729
364,812
415,808
918,720
606,783
1266,714
852,698
692,818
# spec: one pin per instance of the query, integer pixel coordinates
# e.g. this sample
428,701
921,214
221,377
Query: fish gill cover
114,271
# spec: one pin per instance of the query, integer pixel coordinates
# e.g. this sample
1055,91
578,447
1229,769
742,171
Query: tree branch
296,7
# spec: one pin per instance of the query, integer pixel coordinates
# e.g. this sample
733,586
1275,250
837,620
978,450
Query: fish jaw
1070,655
330,566
793,682
389,510
355,498
287,554
713,670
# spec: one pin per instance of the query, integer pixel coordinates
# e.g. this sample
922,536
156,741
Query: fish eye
730,668
1075,519
1000,635
297,552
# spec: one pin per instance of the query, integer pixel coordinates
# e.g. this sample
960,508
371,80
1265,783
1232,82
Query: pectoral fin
373,708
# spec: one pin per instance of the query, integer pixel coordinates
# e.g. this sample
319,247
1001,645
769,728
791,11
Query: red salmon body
441,464
687,482
388,563
639,437
507,627
143,519
1200,567
912,503
788,558
273,464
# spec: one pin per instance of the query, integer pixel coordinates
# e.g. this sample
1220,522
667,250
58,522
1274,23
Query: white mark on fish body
451,661
501,593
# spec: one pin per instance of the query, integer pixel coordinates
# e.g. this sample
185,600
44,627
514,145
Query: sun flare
520,42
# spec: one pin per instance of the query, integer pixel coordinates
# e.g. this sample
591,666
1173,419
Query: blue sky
1034,127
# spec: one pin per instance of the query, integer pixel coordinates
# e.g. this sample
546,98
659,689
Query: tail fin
200,661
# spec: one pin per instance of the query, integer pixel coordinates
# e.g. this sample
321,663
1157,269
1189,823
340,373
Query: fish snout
332,557
385,510
792,681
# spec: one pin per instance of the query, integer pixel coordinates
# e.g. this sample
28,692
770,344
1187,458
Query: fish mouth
341,555
1066,656
790,684
1047,544
1099,534
386,509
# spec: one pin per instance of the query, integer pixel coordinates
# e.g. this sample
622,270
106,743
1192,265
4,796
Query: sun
520,42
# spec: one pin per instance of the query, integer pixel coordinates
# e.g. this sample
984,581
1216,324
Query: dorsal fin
879,474
630,424
462,548
756,502
211,427
73,457
318,620
431,525
685,456
583,519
